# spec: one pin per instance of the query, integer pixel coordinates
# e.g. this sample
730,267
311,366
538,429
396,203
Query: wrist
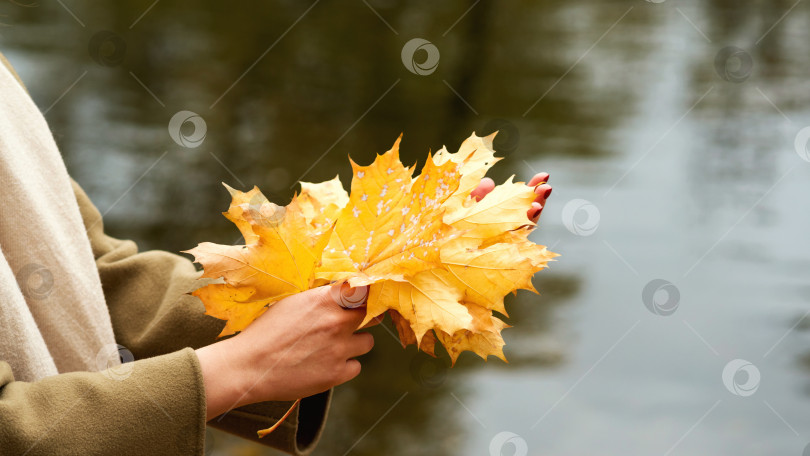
227,384
245,379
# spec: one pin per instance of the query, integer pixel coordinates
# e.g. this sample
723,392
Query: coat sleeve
153,314
151,406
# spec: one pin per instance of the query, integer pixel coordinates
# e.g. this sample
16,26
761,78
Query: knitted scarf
53,316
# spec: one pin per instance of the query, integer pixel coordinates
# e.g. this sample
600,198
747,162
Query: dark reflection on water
695,177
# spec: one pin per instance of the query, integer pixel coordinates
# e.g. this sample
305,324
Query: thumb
347,296
336,296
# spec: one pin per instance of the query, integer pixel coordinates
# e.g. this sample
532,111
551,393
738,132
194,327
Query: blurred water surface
683,145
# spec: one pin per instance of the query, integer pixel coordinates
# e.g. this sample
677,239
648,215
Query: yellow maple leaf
438,261
233,304
407,336
392,224
504,209
427,300
321,203
279,259
487,274
475,156
483,339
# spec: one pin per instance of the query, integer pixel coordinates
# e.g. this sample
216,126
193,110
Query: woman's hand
302,345
541,189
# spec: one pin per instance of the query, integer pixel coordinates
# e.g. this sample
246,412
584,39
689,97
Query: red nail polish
547,193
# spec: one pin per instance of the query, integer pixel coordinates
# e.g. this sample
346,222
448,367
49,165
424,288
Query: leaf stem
272,428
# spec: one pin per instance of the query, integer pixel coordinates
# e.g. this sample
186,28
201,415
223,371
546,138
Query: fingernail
535,210
543,190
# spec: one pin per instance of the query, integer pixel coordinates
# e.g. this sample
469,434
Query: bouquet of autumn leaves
438,261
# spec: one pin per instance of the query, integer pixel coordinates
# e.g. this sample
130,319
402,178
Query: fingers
349,319
350,298
543,191
483,188
359,344
341,296
350,370
327,300
534,212
538,178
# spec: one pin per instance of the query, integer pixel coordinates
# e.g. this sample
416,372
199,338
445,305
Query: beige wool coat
153,405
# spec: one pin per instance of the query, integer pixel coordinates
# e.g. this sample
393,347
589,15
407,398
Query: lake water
669,129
